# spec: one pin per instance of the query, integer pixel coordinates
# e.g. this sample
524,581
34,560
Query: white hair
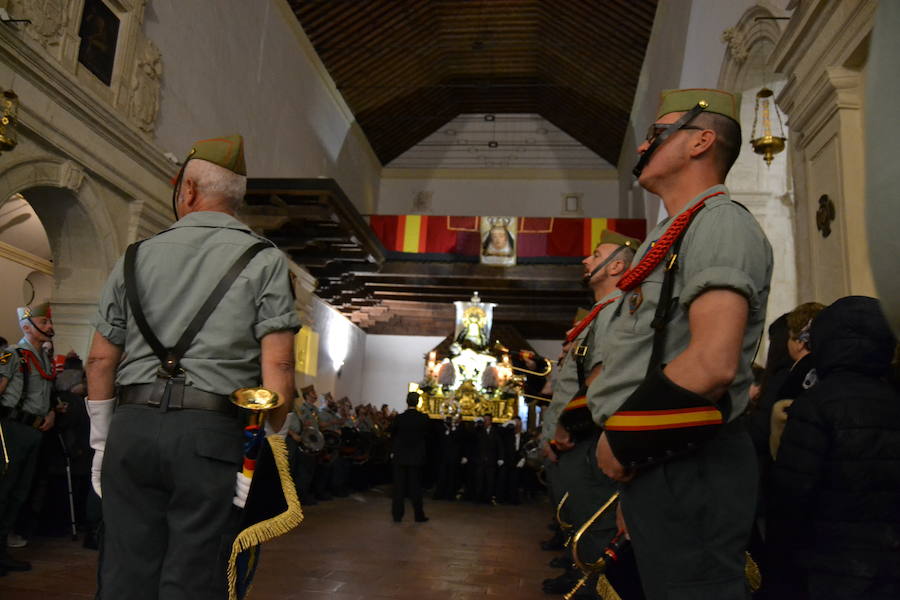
213,181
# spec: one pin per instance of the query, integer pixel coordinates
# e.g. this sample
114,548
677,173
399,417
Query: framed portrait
498,241
99,32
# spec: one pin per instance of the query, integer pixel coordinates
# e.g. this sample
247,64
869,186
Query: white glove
100,412
521,463
500,463
241,489
464,460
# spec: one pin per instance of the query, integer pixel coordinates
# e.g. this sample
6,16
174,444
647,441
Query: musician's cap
720,102
38,310
608,236
226,151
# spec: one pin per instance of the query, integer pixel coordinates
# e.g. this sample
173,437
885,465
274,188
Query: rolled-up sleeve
275,304
728,251
111,317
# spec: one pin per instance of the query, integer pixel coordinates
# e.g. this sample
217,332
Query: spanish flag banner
459,236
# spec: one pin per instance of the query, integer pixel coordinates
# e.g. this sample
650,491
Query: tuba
311,441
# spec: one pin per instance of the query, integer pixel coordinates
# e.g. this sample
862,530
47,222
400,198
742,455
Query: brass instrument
5,453
258,401
548,368
566,527
599,566
311,441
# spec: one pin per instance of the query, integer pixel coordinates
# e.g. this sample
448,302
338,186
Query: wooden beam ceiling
406,67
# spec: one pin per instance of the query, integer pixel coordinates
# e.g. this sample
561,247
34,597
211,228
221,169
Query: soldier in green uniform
304,417
167,460
26,382
579,366
333,466
677,366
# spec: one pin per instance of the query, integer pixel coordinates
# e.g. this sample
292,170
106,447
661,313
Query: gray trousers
22,444
168,481
690,521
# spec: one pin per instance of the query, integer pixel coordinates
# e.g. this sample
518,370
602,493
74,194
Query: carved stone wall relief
145,87
132,88
48,18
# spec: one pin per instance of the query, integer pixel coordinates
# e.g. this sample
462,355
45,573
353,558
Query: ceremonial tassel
752,572
605,589
634,276
268,529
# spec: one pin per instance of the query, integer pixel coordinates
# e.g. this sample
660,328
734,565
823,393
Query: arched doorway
79,234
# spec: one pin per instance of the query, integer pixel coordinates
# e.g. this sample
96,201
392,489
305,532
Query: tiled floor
349,549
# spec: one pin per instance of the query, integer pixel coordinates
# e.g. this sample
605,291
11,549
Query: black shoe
10,564
90,541
421,519
561,562
562,584
554,544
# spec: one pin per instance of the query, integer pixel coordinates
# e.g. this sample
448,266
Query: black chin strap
41,331
684,120
605,262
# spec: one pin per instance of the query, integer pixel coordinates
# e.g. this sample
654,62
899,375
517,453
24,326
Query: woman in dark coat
837,473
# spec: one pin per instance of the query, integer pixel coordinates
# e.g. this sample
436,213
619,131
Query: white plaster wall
483,197
235,66
392,362
329,324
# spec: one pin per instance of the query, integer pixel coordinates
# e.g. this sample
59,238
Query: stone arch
83,239
748,48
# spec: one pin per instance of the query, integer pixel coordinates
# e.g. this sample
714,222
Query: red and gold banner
537,236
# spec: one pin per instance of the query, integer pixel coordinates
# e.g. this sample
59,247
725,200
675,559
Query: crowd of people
337,448
657,414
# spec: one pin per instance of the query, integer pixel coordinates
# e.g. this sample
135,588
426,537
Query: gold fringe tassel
752,572
605,589
264,531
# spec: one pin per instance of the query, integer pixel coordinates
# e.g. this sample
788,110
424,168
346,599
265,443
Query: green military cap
715,101
40,310
226,151
608,236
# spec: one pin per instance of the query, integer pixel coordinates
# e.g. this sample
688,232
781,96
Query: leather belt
151,394
20,416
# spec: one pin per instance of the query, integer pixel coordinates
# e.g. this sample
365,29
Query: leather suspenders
170,358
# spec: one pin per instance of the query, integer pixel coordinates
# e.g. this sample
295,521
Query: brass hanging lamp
762,139
9,110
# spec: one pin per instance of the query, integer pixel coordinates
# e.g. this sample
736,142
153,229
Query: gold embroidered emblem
4,358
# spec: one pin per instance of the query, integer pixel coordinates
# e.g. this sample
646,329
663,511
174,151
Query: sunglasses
657,129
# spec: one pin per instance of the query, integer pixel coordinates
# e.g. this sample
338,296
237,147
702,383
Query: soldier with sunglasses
678,359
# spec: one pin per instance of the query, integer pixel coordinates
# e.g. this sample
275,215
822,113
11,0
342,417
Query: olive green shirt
176,270
724,248
37,399
565,381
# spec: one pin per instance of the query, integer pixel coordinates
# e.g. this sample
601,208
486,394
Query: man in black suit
408,433
514,461
489,459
